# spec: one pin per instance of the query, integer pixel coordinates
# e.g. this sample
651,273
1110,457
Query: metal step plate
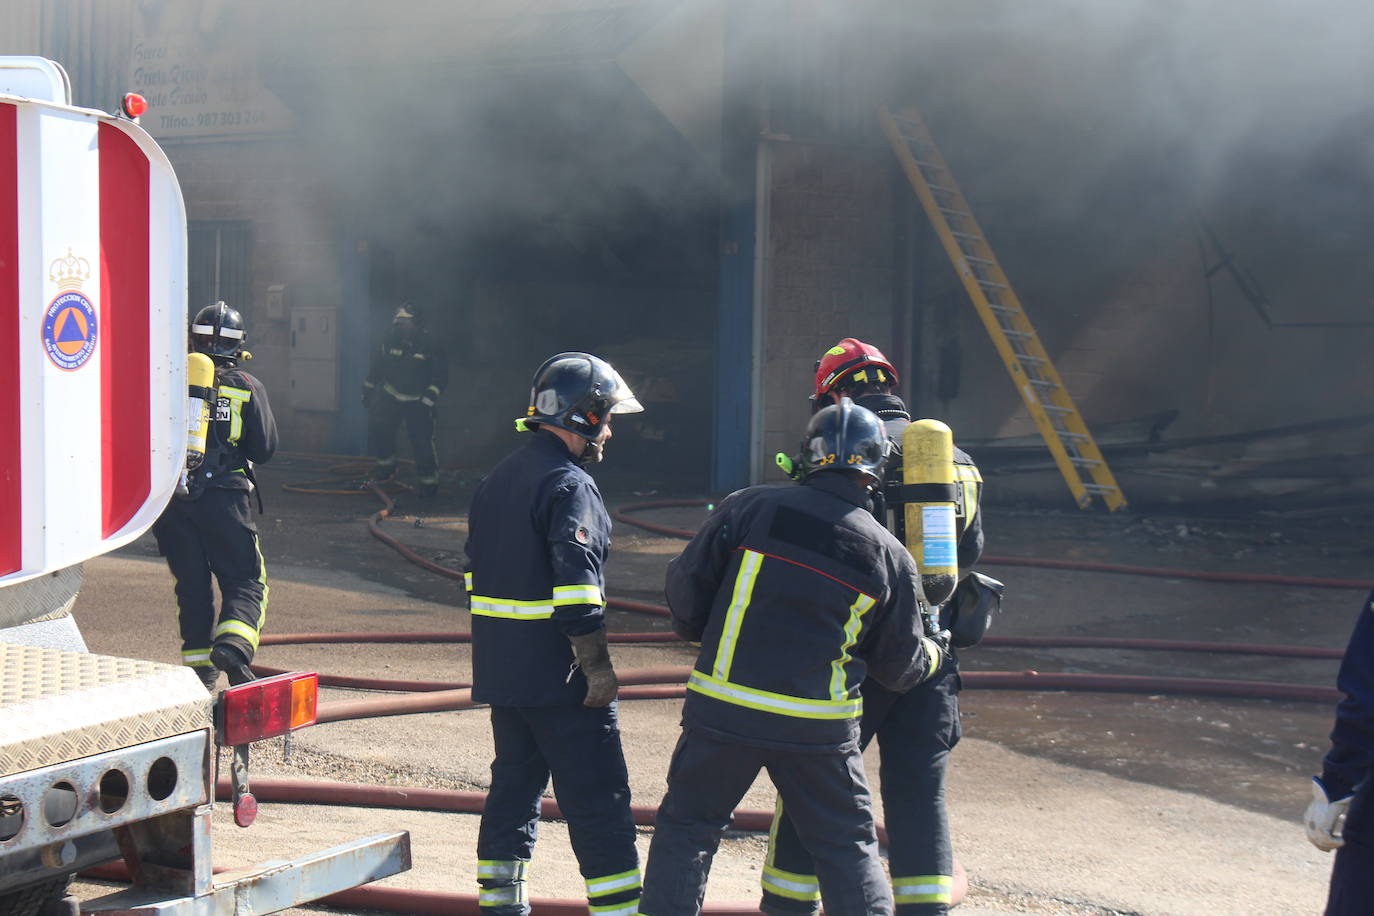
58,706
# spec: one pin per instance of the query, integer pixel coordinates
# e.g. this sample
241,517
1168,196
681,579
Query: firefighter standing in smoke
916,730
209,528
408,373
794,594
1345,787
539,536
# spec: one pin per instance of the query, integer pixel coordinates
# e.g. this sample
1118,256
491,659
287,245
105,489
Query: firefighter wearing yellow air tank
207,532
935,511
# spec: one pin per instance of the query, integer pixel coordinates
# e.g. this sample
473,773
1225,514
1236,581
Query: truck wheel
31,899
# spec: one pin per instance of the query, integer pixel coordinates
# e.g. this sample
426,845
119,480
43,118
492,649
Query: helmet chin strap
592,454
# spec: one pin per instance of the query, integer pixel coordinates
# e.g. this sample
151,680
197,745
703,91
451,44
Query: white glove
427,401
1322,816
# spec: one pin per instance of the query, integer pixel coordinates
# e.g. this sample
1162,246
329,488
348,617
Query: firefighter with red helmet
795,595
207,530
537,544
916,729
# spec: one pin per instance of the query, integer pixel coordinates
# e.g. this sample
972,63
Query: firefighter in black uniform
794,594
208,527
408,373
916,730
1345,787
538,540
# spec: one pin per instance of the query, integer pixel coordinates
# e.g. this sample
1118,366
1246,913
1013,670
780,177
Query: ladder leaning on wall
1060,424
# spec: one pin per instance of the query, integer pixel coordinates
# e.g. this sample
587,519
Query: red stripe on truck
11,490
125,424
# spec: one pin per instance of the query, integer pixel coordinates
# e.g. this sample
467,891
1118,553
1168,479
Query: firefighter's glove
1323,816
367,398
935,653
594,658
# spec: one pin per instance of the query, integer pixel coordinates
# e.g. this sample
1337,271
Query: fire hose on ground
669,682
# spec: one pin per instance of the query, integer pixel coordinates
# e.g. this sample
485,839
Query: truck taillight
268,707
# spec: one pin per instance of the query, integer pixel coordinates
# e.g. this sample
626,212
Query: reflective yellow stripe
238,628
195,658
237,398
838,688
968,478
576,594
625,908
613,884
932,657
923,889
510,610
765,701
734,615
391,390
790,884
467,581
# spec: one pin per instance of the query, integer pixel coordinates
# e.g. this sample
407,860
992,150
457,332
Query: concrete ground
1061,803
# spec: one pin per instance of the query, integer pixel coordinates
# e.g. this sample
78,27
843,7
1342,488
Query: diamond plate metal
39,599
58,706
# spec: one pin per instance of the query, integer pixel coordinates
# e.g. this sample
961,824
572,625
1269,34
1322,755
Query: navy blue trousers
580,748
825,790
1352,875
916,731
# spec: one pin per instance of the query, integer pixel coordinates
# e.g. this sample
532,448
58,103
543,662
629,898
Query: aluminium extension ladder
1051,407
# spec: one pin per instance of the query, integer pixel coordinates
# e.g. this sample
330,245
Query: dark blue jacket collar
839,484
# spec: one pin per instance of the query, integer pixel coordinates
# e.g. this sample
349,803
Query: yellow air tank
200,392
928,465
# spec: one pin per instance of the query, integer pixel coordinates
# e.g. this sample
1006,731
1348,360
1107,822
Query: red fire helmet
850,358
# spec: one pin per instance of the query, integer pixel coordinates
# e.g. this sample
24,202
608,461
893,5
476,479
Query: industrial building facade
700,191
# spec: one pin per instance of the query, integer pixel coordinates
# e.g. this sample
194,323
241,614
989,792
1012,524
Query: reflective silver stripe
513,869
467,581
923,889
790,884
600,887
498,896
576,594
511,610
774,702
230,333
628,908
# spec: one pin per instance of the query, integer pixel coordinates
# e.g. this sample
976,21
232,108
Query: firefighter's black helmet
217,331
577,392
844,437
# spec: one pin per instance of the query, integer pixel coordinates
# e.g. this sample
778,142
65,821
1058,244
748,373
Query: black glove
937,653
594,657
367,398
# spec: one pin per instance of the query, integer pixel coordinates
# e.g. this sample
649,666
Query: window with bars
219,265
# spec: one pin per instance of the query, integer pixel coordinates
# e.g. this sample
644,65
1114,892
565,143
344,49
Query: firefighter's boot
232,662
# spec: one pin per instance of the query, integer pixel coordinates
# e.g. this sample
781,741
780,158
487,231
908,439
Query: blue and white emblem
69,330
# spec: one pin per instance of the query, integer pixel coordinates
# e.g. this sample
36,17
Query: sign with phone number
195,92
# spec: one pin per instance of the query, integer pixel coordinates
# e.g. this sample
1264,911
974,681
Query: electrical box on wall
314,370
275,305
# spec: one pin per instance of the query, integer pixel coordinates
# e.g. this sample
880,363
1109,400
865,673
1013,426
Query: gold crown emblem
69,272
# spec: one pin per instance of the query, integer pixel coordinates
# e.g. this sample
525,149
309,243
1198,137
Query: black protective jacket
243,432
538,536
408,370
795,594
